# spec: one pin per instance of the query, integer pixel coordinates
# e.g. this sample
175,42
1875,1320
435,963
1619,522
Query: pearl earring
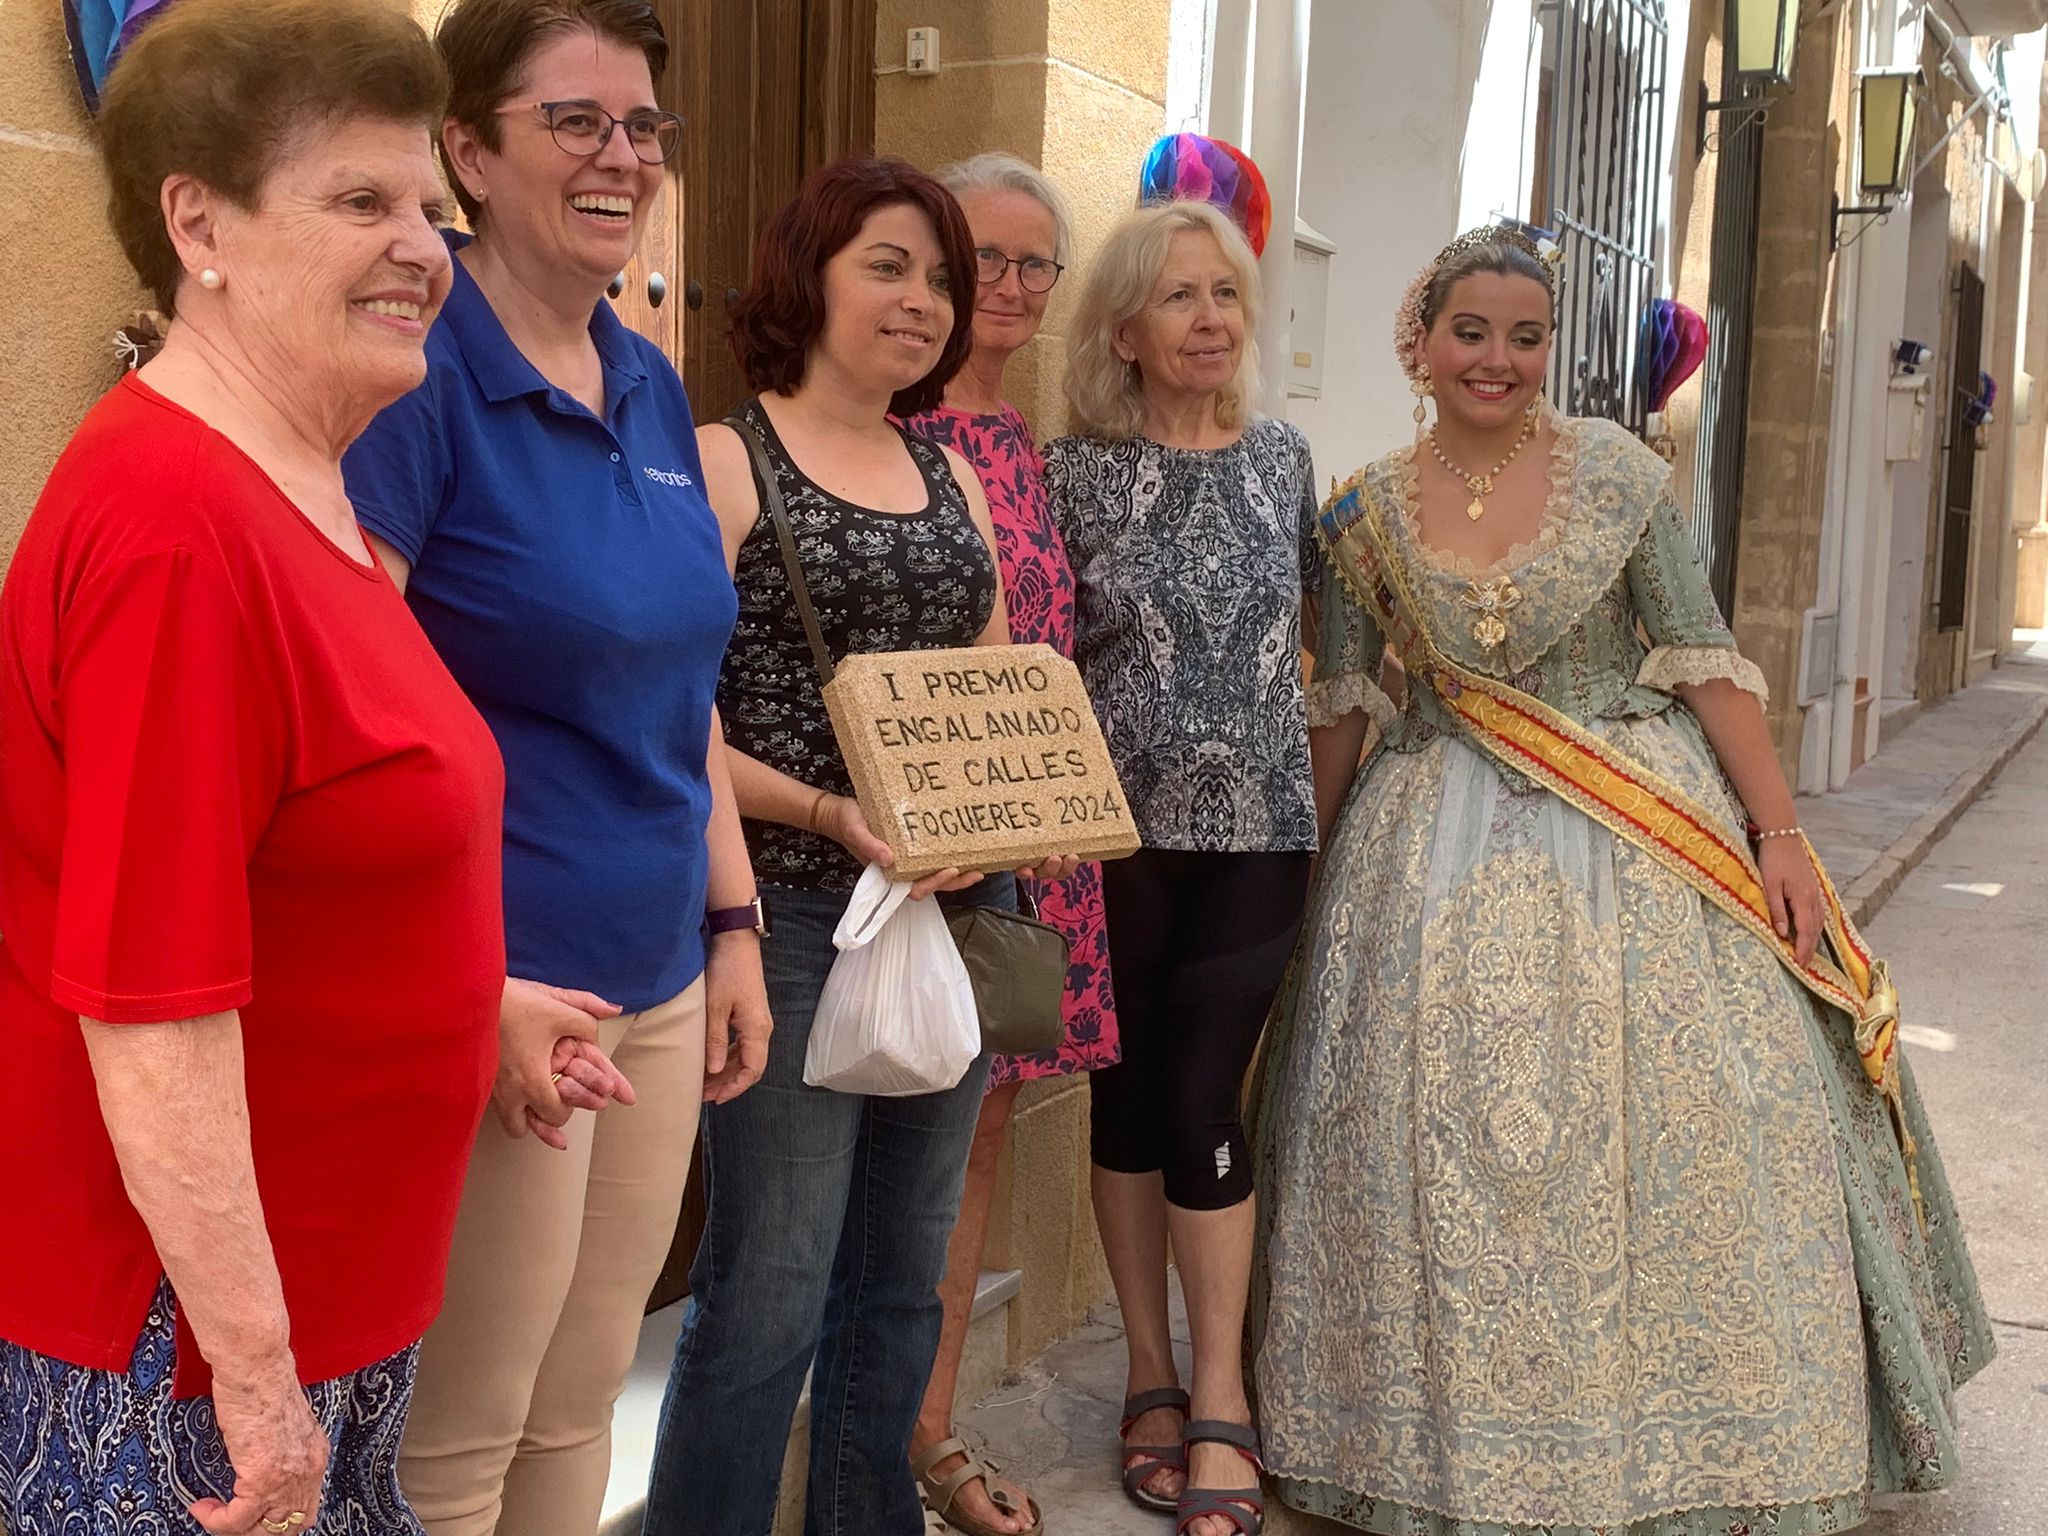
1421,390
208,278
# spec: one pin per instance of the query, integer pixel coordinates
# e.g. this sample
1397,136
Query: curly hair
781,315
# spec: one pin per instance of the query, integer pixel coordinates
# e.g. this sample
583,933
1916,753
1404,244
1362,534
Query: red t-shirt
233,774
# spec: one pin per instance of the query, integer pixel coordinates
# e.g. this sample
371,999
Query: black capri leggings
1198,944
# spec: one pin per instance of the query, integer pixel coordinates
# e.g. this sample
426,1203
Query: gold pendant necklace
1482,485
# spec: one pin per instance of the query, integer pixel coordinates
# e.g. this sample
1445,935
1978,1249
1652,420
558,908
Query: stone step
639,1408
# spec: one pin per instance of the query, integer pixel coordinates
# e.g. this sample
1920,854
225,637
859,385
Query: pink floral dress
1039,588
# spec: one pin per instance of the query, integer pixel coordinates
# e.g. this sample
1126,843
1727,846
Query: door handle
615,287
693,293
657,289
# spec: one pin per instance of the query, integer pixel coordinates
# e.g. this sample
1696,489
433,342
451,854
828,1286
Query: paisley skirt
1577,1215
96,1453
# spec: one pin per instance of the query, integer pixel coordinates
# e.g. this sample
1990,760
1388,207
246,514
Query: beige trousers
555,1253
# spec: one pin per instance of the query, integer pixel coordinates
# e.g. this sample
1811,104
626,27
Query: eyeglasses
1035,272
584,128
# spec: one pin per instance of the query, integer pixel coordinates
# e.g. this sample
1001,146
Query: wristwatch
733,919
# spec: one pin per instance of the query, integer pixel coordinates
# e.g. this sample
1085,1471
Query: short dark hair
487,44
221,90
782,313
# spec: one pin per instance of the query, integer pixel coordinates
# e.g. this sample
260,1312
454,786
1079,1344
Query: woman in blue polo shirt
540,498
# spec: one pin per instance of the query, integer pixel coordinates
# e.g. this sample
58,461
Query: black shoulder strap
778,513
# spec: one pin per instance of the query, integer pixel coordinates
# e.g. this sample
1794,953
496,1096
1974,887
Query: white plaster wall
1503,54
1384,132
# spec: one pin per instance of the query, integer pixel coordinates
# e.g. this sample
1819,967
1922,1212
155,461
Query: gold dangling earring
1421,390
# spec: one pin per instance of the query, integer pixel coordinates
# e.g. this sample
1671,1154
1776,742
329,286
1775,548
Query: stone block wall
1075,87
68,286
1791,384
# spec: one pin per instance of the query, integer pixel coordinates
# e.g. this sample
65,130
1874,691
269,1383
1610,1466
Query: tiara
1502,234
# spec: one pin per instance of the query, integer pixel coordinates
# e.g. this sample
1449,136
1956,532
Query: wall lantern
1762,42
1884,141
1763,39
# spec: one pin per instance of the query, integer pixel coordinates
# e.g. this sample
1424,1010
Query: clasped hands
549,1062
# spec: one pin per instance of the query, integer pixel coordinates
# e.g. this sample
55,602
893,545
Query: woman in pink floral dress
1020,232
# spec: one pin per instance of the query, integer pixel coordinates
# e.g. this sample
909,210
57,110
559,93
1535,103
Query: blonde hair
1105,394
996,171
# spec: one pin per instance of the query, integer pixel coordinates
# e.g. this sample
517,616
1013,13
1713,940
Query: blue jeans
826,1221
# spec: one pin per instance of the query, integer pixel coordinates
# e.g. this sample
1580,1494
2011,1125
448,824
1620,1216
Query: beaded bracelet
1763,837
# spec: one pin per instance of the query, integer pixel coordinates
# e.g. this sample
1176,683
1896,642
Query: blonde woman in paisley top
1579,1214
1190,522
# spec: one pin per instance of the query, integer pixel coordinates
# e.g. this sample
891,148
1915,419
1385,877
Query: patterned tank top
880,581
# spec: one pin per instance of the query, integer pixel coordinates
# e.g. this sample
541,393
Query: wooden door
772,90
1959,486
648,295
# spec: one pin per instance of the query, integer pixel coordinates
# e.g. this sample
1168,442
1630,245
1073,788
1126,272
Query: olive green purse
1017,964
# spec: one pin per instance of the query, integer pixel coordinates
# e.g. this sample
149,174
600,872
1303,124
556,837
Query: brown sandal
1152,1459
940,1492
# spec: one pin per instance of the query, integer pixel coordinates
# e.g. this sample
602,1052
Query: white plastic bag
897,1015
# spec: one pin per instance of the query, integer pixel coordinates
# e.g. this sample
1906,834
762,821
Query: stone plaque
985,757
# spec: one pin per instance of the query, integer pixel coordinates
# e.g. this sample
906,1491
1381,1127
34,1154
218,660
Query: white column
1280,65
1230,72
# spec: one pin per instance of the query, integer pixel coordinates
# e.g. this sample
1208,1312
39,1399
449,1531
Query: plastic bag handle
874,901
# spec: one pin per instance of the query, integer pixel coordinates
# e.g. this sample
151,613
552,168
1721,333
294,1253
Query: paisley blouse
1191,566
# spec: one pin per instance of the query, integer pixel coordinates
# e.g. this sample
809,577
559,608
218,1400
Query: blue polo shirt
570,573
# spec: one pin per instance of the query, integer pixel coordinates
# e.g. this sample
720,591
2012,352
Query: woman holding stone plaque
1190,522
1019,224
828,1214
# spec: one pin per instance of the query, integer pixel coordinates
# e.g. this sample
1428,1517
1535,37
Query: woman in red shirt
248,825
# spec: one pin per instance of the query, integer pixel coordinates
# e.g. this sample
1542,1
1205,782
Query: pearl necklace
1482,485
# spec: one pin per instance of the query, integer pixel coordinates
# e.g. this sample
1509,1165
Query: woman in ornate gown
1581,1215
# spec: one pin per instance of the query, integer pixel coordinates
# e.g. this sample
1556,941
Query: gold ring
556,1078
290,1522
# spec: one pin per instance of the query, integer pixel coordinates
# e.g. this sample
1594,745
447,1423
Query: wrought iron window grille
1601,149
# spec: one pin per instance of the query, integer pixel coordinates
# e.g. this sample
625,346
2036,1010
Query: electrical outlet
921,51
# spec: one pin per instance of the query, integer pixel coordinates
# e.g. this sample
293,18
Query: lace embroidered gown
1577,1216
